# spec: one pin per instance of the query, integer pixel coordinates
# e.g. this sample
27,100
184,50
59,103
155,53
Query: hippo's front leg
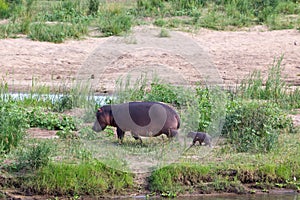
120,134
137,137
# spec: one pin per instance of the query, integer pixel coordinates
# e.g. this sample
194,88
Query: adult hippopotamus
201,137
146,119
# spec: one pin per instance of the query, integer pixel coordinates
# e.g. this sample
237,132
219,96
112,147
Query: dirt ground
233,54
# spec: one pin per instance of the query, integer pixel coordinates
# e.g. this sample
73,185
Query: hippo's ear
100,110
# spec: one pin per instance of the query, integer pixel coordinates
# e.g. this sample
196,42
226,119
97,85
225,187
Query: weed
12,126
57,32
160,22
254,126
9,30
164,33
273,89
34,157
150,7
4,9
93,7
64,102
114,22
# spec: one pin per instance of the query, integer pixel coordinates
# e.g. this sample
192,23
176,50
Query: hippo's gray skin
147,119
200,137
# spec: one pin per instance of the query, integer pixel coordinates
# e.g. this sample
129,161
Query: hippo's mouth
96,127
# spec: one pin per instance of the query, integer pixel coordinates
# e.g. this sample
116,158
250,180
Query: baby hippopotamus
201,137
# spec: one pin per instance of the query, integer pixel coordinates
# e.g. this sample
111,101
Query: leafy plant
34,157
114,22
64,102
93,7
254,126
12,126
52,121
164,33
4,9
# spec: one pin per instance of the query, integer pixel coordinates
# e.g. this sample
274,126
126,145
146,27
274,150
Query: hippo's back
145,117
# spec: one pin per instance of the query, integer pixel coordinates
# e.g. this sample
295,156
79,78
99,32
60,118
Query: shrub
67,11
51,121
254,126
12,126
4,9
93,7
114,22
150,7
63,103
34,156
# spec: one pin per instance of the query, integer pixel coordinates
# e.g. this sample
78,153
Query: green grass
72,19
274,89
86,178
57,33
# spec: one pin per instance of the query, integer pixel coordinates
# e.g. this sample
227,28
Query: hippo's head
102,120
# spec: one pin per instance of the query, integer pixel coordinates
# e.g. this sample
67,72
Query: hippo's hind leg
120,134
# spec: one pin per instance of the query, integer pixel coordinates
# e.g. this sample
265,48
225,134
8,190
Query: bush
12,126
63,103
114,22
51,121
93,7
150,7
4,9
67,11
34,157
254,126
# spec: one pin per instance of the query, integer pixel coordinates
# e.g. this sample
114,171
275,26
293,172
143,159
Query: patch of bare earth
234,54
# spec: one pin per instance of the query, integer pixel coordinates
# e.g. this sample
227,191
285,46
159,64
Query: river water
288,196
284,196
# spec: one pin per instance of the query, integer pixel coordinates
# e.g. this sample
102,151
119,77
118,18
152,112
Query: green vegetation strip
86,178
57,21
206,179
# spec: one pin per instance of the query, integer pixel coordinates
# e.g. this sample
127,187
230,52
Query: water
285,196
53,97
289,196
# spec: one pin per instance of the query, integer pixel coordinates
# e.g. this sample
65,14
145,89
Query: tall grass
57,33
273,89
